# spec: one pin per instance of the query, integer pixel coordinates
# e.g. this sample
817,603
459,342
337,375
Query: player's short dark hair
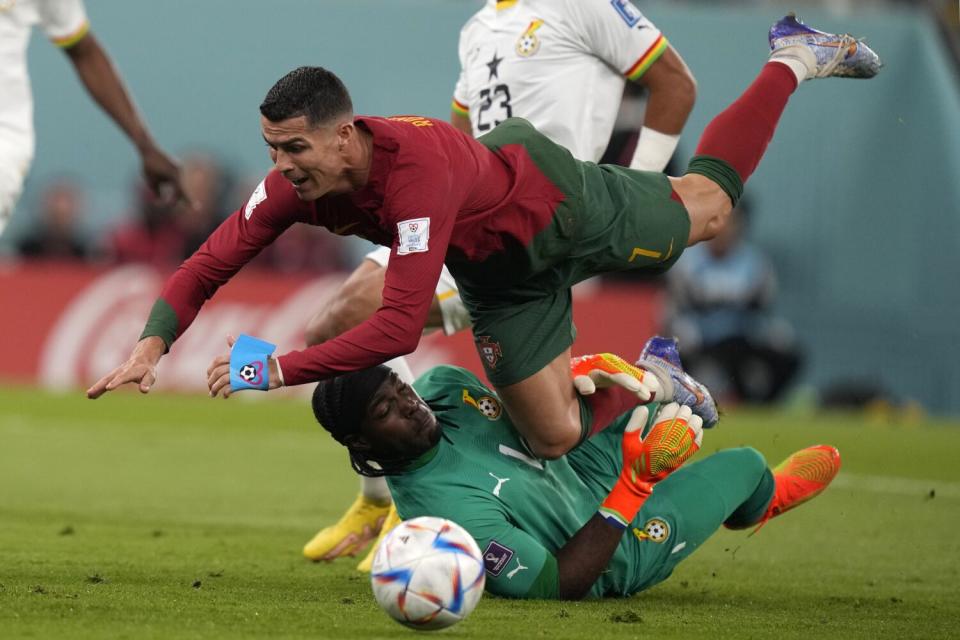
340,404
313,92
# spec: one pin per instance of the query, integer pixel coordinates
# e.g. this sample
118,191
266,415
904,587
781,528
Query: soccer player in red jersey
515,217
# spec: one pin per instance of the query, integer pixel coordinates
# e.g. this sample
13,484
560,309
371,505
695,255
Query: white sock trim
792,57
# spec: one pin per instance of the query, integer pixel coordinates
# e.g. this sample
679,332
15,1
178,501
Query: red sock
606,405
740,133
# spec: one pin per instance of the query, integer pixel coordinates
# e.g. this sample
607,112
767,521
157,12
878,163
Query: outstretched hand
140,367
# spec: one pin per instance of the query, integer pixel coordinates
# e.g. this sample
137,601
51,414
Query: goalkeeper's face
398,424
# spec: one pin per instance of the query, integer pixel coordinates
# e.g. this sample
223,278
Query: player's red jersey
430,188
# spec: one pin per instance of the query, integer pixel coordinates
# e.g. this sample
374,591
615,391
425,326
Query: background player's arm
673,92
102,81
461,121
623,38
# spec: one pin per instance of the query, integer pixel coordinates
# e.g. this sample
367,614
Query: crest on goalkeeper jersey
657,529
528,43
487,405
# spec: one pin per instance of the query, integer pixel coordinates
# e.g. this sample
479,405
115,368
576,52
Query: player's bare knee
556,444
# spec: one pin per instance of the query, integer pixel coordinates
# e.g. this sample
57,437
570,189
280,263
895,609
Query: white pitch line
897,486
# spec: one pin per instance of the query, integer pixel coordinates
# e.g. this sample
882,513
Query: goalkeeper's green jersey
521,510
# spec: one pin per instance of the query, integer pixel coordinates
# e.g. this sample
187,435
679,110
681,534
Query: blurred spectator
209,185
157,236
148,236
721,297
55,236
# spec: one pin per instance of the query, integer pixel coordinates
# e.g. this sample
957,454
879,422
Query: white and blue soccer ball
428,573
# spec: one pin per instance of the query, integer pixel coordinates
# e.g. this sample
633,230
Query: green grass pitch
165,516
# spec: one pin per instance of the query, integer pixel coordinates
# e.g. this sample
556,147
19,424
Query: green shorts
520,299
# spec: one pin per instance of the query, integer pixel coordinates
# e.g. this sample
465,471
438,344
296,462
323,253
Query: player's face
399,425
310,157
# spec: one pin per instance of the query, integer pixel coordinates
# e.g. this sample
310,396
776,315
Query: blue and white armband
249,367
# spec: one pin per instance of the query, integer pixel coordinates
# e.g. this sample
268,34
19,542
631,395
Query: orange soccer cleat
801,477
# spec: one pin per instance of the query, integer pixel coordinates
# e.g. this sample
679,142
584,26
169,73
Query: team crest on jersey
630,14
487,405
258,196
656,530
528,43
489,351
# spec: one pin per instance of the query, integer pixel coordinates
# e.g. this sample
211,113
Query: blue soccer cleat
839,56
662,357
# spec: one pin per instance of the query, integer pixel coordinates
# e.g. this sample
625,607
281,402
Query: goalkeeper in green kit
611,518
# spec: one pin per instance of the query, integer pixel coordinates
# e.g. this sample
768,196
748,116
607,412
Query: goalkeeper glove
676,435
606,370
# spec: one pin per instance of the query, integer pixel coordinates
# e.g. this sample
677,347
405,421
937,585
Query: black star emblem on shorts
492,66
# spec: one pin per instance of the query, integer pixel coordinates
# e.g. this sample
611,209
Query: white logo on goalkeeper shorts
258,196
414,236
500,481
519,568
657,530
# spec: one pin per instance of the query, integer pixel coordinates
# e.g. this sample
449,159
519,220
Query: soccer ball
248,372
428,573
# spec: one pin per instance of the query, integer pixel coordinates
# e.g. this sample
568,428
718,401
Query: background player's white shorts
455,316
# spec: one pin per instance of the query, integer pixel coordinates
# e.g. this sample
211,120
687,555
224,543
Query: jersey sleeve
420,207
271,209
63,21
517,565
619,34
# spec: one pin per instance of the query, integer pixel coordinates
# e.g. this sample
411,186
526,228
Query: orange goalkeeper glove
676,435
604,370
